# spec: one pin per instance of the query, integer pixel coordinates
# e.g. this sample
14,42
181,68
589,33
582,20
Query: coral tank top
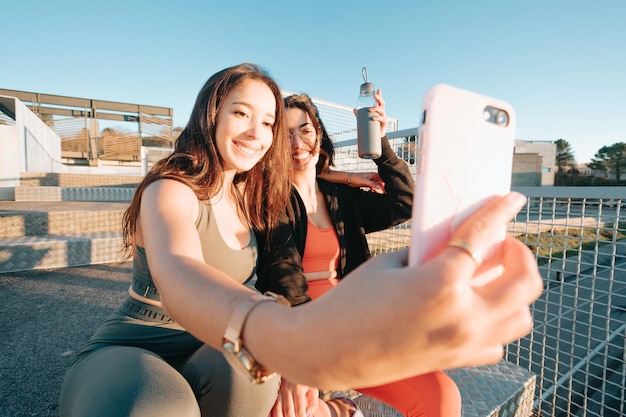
321,250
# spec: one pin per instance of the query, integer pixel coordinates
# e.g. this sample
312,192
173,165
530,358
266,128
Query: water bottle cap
367,89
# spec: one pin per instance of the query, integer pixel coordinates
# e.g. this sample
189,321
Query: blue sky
561,64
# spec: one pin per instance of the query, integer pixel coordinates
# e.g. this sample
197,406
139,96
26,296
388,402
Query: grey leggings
129,381
117,381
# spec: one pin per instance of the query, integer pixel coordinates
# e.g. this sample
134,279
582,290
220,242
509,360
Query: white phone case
464,156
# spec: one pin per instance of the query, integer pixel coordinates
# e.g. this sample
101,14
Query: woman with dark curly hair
326,240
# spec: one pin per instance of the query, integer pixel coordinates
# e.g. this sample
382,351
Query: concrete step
43,235
59,218
77,180
500,390
58,251
53,193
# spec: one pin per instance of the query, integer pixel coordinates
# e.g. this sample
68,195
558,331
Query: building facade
533,163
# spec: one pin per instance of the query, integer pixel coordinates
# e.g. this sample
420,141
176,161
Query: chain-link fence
577,347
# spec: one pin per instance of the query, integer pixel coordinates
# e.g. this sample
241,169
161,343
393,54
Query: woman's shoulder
170,187
171,195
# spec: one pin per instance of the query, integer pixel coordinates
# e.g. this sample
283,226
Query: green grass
556,243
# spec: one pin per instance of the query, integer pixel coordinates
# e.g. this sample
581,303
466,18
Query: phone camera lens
502,118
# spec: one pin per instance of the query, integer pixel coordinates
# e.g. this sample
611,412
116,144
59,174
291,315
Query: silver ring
474,253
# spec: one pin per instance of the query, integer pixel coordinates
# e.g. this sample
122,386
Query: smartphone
464,156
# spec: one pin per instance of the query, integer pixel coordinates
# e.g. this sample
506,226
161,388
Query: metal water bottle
368,130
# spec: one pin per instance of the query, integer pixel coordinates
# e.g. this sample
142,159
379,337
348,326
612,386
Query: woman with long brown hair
225,176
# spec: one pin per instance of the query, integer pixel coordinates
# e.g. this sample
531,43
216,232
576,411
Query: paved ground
45,317
48,316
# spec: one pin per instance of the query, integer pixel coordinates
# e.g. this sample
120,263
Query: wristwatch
239,358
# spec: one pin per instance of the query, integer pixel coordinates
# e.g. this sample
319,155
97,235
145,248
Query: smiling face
305,148
244,125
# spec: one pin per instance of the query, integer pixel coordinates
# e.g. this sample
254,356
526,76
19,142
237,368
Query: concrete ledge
32,223
50,193
60,179
58,251
500,390
7,193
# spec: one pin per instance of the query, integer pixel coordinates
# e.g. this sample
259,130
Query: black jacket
354,212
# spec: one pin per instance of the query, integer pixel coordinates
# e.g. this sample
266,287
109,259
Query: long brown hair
196,162
327,149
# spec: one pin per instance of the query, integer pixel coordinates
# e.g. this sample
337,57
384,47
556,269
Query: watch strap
233,345
239,316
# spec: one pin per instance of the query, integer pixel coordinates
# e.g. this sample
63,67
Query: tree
610,159
564,156
598,164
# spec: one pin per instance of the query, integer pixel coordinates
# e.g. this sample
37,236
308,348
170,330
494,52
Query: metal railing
577,347
77,122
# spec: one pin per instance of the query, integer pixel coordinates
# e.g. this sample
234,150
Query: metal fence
577,347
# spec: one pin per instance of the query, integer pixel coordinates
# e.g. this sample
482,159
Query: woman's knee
222,391
441,395
434,395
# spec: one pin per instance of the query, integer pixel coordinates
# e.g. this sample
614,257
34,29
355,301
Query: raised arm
378,211
369,180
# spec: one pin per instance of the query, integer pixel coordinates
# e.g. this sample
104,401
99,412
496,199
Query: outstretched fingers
475,242
495,310
511,294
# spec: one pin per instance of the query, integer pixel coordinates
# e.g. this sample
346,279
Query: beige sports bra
239,264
